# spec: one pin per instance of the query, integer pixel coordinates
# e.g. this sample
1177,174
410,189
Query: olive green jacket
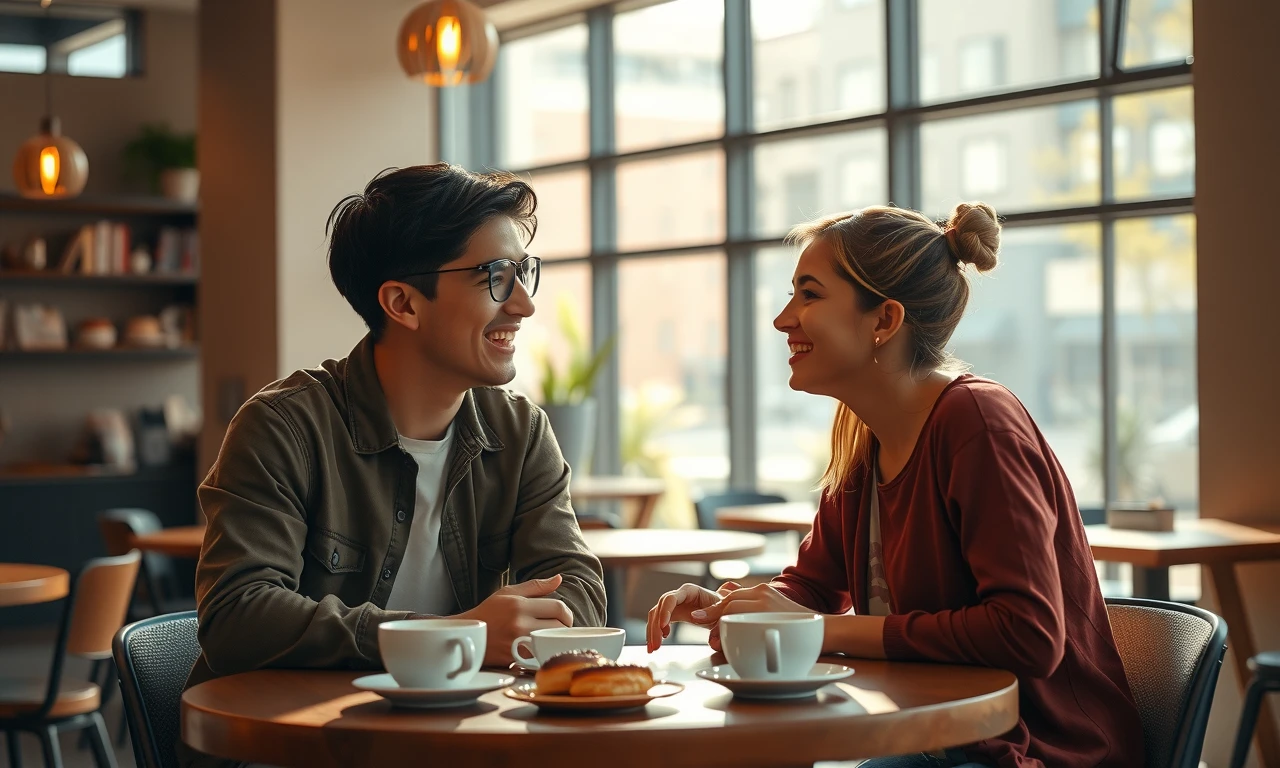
309,506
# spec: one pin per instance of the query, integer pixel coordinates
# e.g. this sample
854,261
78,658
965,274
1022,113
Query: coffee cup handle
468,648
519,643
772,650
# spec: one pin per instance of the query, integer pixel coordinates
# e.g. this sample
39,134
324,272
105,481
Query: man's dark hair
412,220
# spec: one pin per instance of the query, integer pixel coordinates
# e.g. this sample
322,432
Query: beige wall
346,111
1237,164
103,114
302,102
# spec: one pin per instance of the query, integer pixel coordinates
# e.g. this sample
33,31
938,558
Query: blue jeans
955,759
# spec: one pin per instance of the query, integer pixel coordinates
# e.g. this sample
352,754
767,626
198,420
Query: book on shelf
106,248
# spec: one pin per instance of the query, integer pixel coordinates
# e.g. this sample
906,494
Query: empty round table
178,541
23,584
316,718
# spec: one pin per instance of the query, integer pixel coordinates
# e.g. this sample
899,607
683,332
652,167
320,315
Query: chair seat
1266,665
19,697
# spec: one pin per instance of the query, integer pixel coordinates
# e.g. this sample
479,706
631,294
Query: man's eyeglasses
503,274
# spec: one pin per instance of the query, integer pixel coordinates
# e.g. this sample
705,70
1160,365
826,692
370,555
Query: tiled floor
26,653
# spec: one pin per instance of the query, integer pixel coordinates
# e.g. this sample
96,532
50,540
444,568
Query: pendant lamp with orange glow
447,42
50,165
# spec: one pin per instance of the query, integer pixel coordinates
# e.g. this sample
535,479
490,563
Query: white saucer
820,675
426,698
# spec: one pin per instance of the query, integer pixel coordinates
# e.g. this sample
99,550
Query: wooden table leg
645,515
1152,583
1240,639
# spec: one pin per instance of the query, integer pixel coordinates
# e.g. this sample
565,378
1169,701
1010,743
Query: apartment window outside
668,222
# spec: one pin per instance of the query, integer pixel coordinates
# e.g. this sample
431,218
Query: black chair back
158,575
707,506
154,657
1172,654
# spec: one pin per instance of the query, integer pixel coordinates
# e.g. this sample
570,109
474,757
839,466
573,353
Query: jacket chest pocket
335,552
495,552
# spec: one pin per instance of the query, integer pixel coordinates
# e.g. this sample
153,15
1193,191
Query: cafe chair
154,657
159,579
94,610
779,553
1266,679
1172,654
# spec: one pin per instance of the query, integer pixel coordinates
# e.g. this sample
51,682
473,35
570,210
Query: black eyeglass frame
519,270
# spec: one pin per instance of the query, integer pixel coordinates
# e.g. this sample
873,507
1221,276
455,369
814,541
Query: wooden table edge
294,745
54,585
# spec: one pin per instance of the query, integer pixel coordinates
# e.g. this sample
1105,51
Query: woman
946,520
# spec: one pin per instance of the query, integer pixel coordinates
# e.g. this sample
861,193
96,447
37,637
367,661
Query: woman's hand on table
679,605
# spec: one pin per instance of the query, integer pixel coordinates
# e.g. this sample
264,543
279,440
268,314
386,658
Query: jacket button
400,516
333,560
386,573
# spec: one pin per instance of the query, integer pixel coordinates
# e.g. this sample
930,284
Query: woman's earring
874,359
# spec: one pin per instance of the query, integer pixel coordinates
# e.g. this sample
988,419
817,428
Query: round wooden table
623,547
643,492
619,549
178,541
315,718
22,584
768,518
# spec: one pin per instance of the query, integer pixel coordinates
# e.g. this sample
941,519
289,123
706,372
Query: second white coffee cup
433,653
545,643
772,646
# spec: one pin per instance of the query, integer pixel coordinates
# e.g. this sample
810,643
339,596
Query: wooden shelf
42,473
119,353
47,277
115,206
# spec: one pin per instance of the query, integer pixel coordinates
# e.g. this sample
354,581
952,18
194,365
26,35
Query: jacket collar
369,419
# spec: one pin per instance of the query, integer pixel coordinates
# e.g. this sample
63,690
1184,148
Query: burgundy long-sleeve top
987,564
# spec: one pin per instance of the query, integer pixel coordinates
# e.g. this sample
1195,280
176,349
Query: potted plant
167,160
566,394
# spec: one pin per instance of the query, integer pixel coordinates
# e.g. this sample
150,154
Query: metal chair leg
52,750
103,757
1248,721
15,749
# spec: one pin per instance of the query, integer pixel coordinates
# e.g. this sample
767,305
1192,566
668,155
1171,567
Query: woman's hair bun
975,235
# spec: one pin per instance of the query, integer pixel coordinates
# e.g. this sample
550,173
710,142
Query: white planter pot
180,184
574,427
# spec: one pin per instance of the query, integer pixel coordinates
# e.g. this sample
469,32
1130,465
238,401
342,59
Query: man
399,482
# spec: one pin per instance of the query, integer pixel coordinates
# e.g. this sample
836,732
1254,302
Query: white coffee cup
545,643
433,653
772,646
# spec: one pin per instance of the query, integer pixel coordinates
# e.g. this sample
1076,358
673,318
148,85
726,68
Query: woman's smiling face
830,337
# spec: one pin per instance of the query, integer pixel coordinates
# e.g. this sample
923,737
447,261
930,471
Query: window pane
564,296
672,348
671,201
799,179
981,46
1041,157
1155,145
793,428
668,73
564,214
816,61
108,58
1035,326
28,59
1156,32
542,99
1158,417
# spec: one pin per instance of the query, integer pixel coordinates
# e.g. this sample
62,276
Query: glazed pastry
556,673
610,679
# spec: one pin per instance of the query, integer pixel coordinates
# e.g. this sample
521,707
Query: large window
70,40
674,144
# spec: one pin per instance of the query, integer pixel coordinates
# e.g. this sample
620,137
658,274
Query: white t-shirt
423,584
